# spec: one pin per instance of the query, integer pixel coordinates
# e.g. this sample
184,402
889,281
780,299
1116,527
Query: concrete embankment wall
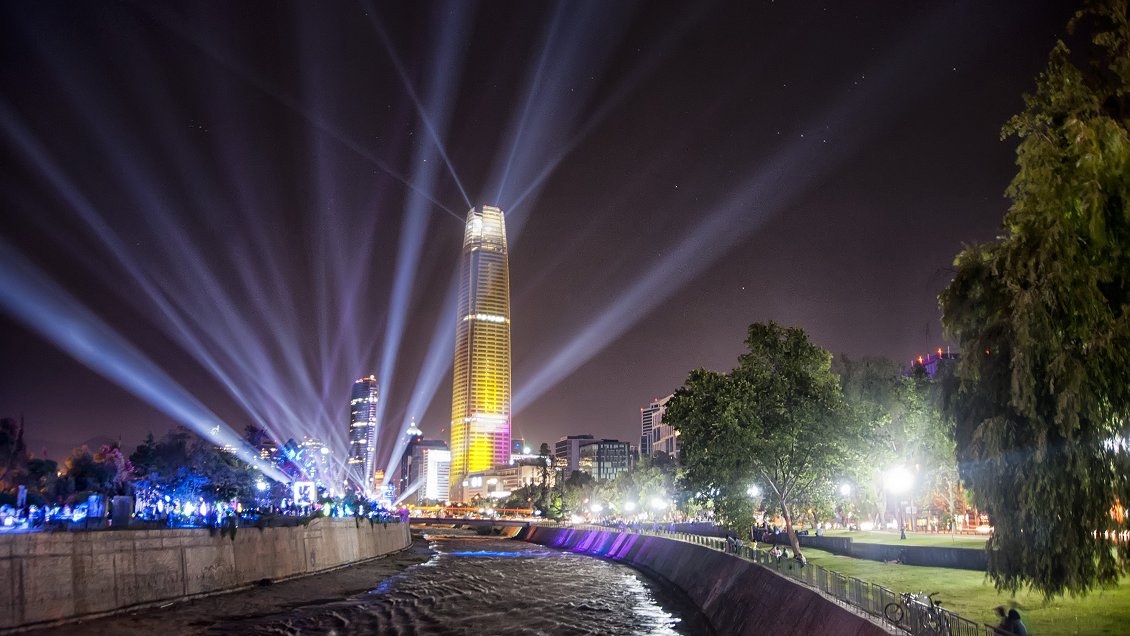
736,596
933,556
52,577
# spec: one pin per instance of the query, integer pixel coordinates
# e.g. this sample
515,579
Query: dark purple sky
222,186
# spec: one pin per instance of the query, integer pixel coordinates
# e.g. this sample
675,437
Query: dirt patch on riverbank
198,616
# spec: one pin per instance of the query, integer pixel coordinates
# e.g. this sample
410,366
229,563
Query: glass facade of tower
363,427
480,403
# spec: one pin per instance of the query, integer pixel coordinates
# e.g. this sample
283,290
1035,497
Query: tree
1041,396
13,452
875,390
544,499
777,421
90,472
576,491
41,476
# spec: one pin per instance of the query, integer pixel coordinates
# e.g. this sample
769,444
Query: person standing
1013,625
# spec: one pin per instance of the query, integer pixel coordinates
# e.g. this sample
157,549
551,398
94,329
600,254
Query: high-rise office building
650,417
610,457
604,459
480,400
567,453
363,427
411,437
425,471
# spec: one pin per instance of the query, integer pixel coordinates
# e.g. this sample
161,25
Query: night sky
250,198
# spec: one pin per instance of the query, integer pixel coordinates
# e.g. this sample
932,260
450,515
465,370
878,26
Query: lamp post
897,481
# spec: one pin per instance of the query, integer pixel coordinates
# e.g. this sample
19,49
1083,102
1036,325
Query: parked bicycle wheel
934,624
894,612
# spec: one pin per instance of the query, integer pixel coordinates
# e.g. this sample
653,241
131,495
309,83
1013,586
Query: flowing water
486,586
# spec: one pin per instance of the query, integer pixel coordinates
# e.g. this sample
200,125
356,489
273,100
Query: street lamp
898,481
845,490
753,491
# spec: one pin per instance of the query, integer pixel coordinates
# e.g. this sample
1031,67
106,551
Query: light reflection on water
484,586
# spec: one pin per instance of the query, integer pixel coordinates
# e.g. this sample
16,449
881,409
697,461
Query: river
449,583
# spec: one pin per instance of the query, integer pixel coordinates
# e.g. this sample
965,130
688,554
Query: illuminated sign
305,493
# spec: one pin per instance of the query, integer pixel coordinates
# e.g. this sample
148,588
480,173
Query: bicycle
931,620
934,621
896,611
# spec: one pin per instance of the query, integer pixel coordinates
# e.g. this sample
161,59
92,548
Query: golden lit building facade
480,402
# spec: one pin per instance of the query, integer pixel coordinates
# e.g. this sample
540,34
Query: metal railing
912,614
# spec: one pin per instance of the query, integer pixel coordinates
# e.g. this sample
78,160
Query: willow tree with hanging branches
1041,396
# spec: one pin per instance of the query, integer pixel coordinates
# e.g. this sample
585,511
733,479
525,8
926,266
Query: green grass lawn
971,595
913,538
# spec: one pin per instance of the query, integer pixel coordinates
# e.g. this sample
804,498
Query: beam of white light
408,491
259,394
228,61
42,306
195,308
559,83
436,112
186,329
452,38
770,189
436,365
438,360
660,49
187,294
533,90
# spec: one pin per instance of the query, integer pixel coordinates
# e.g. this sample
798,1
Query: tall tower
363,427
480,400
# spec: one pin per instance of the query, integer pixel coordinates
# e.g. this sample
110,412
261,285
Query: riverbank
54,578
734,595
971,594
201,616
449,583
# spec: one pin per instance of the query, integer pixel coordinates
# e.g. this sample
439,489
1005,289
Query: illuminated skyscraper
480,401
363,427
651,416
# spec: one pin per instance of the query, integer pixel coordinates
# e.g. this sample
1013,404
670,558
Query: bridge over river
469,523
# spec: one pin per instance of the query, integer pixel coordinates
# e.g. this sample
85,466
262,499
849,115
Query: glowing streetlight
753,491
897,481
658,504
260,485
596,508
845,490
629,506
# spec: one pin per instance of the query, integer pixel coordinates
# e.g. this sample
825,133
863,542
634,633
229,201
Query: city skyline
267,205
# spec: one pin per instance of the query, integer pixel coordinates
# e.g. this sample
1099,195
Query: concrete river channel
448,582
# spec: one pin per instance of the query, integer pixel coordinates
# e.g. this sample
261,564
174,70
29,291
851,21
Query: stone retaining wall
933,556
736,596
51,577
